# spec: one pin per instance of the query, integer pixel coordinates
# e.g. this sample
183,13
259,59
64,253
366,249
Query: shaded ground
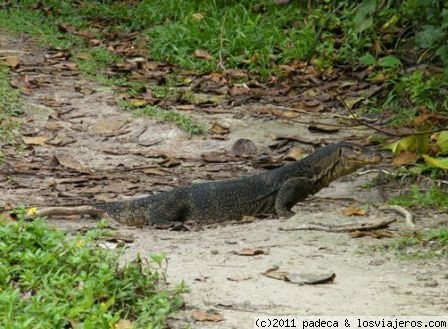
82,147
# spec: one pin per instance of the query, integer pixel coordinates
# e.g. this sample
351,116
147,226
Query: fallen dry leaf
404,157
295,153
238,90
300,278
376,234
202,54
309,106
353,211
156,171
251,252
11,61
207,316
284,114
244,148
35,140
108,126
219,129
323,129
218,157
69,162
123,324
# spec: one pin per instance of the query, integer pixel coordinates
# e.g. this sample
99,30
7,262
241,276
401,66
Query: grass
427,244
181,120
10,107
415,197
51,280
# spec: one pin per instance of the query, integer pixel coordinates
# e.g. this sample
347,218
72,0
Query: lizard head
352,157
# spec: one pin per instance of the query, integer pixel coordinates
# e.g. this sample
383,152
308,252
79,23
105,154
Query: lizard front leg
292,191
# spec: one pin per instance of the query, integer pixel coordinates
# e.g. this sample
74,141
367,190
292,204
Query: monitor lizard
274,191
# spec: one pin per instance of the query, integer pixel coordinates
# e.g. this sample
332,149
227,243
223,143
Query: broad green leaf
389,61
436,162
429,36
417,144
367,59
363,18
442,141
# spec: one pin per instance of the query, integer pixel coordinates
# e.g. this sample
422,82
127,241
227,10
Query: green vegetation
401,46
10,107
421,245
183,121
51,280
415,197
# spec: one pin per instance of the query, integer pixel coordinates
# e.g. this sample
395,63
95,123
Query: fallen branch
346,227
368,125
403,211
70,211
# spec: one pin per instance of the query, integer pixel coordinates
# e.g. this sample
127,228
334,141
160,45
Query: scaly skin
272,192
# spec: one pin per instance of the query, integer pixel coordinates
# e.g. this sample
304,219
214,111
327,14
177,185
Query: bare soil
86,149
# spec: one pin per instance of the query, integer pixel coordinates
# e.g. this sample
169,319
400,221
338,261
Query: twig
361,122
347,227
403,211
221,42
365,172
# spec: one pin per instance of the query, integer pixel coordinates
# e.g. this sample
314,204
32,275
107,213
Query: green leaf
364,17
442,141
436,162
417,144
430,36
389,61
367,59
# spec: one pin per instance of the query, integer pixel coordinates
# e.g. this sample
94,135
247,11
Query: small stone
215,252
431,284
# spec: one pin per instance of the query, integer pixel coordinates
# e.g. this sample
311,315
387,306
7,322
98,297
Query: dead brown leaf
170,162
218,157
309,106
405,157
323,129
186,107
219,128
285,114
244,148
238,90
61,139
202,54
376,234
123,324
300,278
295,153
353,211
211,316
35,140
251,252
11,61
108,126
156,171
69,162
22,83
